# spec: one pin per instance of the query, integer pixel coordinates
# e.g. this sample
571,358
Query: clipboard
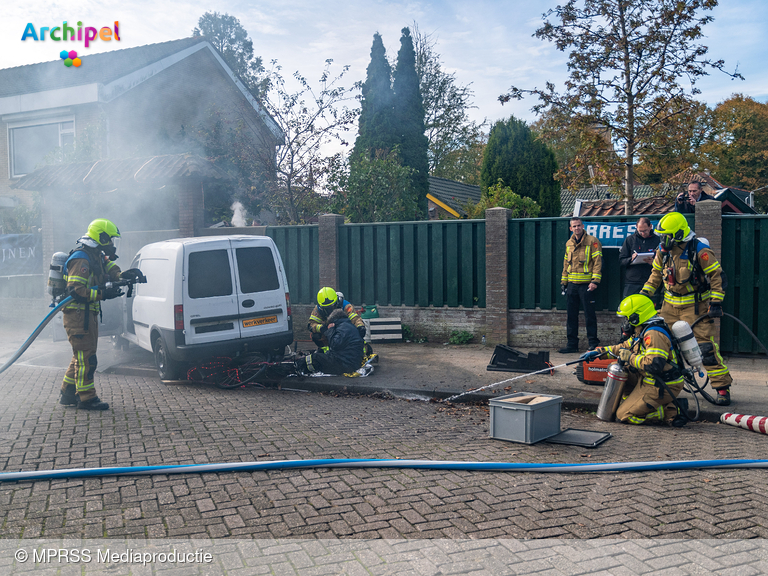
641,256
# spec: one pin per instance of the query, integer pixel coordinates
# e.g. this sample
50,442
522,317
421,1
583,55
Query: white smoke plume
238,218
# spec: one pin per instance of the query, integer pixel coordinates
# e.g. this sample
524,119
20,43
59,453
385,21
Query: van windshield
256,267
209,274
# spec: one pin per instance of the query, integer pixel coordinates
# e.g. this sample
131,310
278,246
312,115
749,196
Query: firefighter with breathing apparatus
693,286
642,386
329,300
86,271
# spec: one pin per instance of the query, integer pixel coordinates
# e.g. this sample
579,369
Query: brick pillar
328,237
190,208
496,276
709,225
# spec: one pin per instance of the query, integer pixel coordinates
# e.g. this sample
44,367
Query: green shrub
460,337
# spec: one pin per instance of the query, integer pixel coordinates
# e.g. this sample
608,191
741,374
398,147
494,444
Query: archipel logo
64,33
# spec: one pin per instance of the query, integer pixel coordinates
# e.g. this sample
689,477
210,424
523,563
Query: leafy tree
525,164
627,61
585,155
676,143
374,189
409,113
376,122
501,196
228,36
310,119
455,141
737,152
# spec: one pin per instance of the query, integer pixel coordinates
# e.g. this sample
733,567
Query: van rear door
209,295
261,293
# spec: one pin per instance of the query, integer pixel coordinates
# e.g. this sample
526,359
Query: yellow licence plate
259,321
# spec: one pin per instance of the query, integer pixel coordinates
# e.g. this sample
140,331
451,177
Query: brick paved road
153,423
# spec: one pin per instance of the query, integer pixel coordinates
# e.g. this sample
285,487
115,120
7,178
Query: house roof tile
111,174
601,192
453,194
100,68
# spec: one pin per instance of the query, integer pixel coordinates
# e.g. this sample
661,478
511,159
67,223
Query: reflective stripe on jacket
583,261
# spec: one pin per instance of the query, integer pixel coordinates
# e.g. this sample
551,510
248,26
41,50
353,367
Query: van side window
256,267
209,274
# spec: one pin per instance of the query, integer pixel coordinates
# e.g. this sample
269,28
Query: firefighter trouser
327,364
83,364
644,401
704,331
576,294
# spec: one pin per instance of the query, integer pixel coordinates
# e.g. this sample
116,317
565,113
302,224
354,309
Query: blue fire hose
380,463
36,333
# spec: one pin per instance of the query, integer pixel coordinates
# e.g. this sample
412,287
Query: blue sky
487,43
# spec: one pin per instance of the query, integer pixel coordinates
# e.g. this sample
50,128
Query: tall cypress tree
375,125
409,113
523,162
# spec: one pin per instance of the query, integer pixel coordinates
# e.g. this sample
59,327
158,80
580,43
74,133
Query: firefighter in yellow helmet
693,286
329,300
649,356
89,266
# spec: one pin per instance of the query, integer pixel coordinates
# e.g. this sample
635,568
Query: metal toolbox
525,417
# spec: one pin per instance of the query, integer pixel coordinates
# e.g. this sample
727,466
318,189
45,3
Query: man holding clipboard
636,256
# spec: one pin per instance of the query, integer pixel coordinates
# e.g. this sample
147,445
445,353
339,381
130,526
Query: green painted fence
298,246
437,263
536,250
745,262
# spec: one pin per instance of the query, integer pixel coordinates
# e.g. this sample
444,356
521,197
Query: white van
210,296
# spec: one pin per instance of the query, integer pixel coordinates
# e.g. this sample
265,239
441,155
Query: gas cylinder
614,386
56,283
688,345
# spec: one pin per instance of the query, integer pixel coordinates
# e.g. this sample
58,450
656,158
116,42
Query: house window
32,142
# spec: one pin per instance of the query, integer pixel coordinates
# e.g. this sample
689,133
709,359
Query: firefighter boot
68,396
92,404
723,397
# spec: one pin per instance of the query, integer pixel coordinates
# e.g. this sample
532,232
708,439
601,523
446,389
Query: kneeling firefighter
328,300
89,266
345,348
650,356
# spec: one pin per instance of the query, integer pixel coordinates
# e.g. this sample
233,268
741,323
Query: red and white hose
754,423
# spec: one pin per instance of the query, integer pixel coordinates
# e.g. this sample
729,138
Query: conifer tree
409,112
375,125
523,163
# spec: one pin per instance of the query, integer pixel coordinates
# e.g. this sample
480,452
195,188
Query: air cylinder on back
688,345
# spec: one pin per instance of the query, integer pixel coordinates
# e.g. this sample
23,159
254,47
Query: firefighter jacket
318,318
85,274
689,272
652,354
583,262
345,345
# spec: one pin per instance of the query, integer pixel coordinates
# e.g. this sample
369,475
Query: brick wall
496,275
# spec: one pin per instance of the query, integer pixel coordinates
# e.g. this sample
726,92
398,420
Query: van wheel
167,368
276,355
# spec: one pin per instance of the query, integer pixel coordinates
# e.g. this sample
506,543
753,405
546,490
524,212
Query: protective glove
361,330
131,274
715,310
563,288
646,293
591,355
109,293
625,354
323,329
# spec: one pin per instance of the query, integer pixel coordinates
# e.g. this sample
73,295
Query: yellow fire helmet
327,298
672,228
102,231
637,309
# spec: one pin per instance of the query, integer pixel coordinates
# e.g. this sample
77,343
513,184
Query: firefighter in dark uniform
693,286
327,301
649,356
581,276
90,265
345,348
